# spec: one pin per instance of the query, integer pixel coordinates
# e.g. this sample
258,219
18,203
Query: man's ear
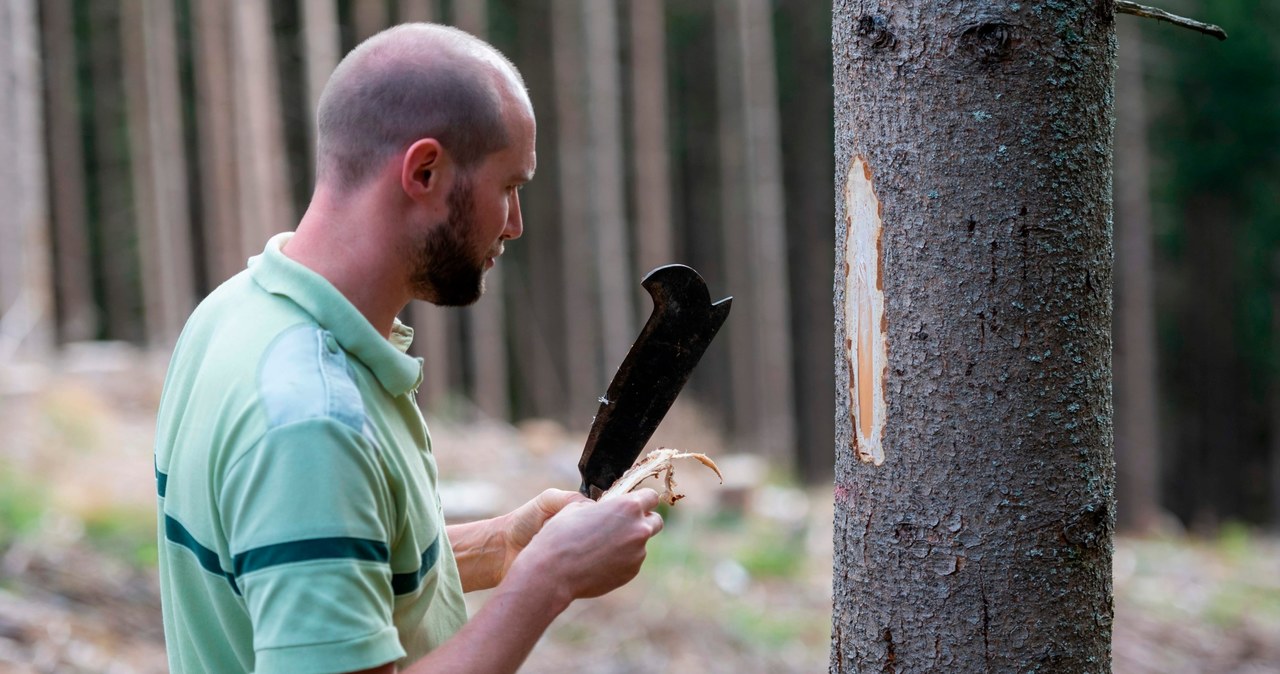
426,170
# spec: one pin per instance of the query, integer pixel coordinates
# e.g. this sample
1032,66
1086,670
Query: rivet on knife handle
682,325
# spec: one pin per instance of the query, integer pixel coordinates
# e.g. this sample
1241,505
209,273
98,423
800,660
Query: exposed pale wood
26,282
77,313
225,250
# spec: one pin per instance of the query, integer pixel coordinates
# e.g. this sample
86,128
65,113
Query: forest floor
739,582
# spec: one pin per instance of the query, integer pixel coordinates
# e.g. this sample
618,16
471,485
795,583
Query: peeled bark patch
865,349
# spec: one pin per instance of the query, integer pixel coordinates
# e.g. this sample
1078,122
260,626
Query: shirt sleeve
308,515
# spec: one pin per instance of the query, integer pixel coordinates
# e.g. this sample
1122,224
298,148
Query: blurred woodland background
150,146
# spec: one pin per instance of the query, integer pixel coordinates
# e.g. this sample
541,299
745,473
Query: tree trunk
486,320
582,331
744,410
805,100
605,191
111,205
697,191
766,238
654,244
1212,432
974,475
323,49
536,305
77,316
1137,423
159,167
1273,481
369,17
225,252
26,305
411,11
266,206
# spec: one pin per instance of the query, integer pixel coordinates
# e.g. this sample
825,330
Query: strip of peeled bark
974,474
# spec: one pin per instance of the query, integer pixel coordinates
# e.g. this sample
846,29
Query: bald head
410,82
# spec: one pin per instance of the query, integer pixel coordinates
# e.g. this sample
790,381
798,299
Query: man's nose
515,222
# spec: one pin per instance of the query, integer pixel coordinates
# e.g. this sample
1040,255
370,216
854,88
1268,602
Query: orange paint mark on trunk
865,322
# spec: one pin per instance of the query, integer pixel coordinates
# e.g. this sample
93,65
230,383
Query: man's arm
587,550
486,549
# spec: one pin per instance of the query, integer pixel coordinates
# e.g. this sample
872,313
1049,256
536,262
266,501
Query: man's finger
656,523
646,498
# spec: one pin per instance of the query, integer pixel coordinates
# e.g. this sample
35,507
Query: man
300,529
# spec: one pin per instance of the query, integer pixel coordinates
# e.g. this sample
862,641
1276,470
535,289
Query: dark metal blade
683,323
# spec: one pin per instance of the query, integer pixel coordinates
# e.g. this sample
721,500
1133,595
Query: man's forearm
499,637
480,551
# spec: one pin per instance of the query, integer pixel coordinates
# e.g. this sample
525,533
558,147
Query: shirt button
331,344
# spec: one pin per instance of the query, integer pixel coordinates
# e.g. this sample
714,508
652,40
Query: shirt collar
276,273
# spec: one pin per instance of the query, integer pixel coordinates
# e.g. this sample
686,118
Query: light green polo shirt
300,528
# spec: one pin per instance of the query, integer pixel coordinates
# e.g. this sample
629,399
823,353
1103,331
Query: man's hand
486,549
592,548
522,523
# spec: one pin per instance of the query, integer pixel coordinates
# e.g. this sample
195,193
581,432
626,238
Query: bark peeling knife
682,325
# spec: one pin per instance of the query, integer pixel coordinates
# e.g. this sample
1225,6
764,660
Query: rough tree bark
974,474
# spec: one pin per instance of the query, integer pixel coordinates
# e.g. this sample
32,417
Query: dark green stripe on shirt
311,549
267,556
174,531
404,583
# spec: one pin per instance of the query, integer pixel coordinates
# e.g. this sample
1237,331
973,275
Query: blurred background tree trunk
77,314
581,304
111,205
1136,391
486,320
216,114
26,300
159,167
606,196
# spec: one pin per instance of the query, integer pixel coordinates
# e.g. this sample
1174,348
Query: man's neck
344,248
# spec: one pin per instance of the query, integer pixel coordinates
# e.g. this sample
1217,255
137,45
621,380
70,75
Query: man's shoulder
303,374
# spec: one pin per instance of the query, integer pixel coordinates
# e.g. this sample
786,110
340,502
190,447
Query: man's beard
446,272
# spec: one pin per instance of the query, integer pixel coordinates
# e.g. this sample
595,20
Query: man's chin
454,297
